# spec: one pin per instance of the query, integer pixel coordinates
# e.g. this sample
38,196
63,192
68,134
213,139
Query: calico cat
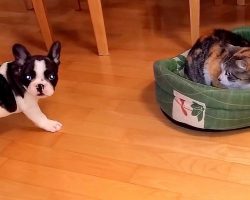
220,59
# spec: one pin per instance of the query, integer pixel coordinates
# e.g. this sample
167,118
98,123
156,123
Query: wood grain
95,9
16,190
78,183
70,161
42,19
194,19
196,186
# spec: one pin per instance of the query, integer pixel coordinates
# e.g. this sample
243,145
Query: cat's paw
51,126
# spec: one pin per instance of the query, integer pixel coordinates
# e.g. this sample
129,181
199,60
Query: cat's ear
241,64
232,48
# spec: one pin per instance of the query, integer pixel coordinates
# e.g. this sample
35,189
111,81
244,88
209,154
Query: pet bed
198,105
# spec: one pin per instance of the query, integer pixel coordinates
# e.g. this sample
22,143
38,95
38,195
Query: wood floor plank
190,186
149,156
240,174
130,121
70,161
4,143
154,123
9,198
139,108
78,183
29,135
236,137
209,149
111,92
122,70
19,128
35,135
2,160
20,191
75,112
89,102
102,131
104,79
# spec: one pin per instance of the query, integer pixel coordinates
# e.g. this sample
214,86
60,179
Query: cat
220,59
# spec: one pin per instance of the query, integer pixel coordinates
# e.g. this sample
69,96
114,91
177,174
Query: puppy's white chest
4,112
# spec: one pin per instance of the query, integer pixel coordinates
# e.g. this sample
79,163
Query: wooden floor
115,143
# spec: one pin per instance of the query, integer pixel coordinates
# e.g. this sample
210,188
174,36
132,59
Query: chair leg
194,6
218,2
42,19
241,2
78,5
95,9
28,4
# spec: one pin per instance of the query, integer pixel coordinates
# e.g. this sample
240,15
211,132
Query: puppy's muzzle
40,88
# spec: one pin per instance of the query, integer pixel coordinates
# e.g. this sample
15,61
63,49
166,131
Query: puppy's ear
54,52
20,53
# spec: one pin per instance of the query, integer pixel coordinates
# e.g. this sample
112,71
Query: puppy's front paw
51,125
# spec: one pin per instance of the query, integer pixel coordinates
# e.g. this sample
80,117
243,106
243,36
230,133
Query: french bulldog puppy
26,80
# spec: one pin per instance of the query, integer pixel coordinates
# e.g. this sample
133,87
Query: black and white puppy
27,79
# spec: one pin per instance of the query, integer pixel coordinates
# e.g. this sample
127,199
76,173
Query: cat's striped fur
220,59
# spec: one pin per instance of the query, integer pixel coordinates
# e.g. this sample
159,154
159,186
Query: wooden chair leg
95,9
194,6
28,4
218,2
241,2
42,19
78,5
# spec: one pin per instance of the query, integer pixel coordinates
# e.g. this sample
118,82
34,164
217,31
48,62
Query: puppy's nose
40,87
219,79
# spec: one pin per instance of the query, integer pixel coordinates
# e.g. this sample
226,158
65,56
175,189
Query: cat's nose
219,79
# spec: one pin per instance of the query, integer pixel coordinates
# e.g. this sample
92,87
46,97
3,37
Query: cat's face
235,72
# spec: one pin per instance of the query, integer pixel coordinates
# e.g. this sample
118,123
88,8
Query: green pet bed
198,105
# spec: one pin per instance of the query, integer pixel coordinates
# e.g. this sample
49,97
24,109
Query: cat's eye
228,73
28,77
51,77
231,77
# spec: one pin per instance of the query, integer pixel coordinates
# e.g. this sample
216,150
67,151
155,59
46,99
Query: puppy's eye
28,77
52,77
